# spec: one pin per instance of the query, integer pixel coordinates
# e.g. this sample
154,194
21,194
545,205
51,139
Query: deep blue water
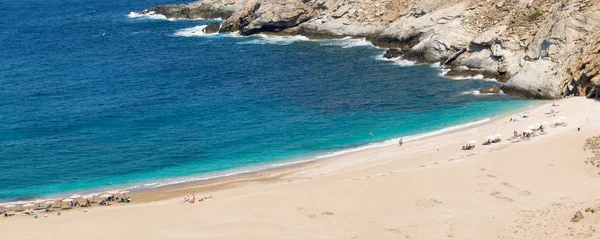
89,96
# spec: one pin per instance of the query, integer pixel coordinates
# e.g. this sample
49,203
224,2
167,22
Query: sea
95,97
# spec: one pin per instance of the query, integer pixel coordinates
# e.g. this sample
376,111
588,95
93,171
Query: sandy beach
428,188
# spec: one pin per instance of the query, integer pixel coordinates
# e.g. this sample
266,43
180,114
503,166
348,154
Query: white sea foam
346,42
328,155
202,178
443,72
476,77
197,31
155,16
473,92
436,65
405,139
149,15
277,165
396,61
476,92
262,39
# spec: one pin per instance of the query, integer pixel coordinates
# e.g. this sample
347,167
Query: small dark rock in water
578,216
392,53
212,28
327,213
493,89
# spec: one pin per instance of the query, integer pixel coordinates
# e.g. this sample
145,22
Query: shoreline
426,188
273,173
283,165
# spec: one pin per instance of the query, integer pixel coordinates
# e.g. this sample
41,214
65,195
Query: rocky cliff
539,48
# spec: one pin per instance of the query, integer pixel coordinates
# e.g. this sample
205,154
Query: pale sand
529,189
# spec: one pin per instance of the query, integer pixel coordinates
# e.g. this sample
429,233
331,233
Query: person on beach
400,142
194,196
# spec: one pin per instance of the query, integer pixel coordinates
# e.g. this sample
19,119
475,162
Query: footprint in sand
507,184
327,213
311,216
430,202
525,193
394,230
499,195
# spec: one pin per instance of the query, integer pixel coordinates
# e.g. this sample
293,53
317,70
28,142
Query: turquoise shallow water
91,97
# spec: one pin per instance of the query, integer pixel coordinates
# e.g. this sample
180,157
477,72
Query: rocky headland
538,48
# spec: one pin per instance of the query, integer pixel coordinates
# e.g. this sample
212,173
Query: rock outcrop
271,16
212,28
584,71
210,9
493,89
540,48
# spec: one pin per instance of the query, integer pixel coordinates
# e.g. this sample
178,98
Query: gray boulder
212,28
537,80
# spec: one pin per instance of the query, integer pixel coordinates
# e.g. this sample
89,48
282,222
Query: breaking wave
149,15
346,42
261,39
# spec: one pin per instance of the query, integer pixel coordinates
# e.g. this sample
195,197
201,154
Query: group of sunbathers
192,199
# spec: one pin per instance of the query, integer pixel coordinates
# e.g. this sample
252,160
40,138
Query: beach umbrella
28,205
88,196
49,203
38,202
113,192
20,203
9,206
68,200
490,137
105,195
124,192
528,131
472,142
